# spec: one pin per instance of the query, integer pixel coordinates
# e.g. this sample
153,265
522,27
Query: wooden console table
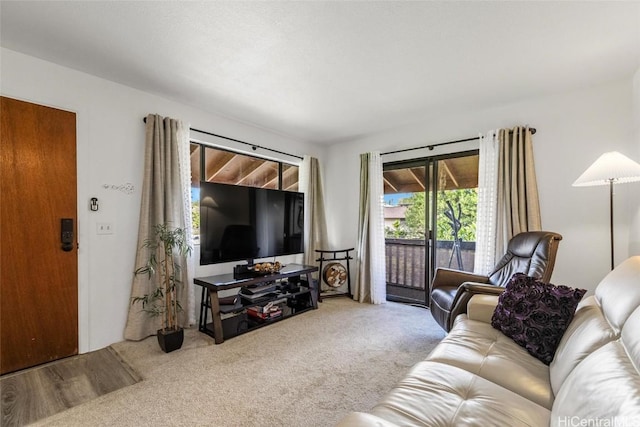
236,320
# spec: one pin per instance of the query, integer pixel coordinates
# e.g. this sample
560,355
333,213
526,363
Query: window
228,167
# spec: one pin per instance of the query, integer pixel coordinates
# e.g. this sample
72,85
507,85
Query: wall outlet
104,228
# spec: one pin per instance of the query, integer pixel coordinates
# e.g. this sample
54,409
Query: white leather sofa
479,377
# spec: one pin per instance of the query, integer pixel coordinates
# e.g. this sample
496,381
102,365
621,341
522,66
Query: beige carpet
309,370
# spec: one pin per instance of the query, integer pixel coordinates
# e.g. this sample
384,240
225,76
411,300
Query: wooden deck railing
406,264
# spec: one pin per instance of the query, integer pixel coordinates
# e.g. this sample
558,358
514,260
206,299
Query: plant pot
170,339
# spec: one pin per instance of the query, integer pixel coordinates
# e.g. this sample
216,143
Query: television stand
230,320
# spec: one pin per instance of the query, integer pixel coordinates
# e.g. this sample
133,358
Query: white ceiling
330,71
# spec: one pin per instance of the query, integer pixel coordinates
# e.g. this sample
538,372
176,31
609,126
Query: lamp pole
611,216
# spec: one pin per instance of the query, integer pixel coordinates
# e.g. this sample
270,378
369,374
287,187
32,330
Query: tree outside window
413,226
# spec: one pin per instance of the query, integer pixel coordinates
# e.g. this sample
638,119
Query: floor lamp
610,168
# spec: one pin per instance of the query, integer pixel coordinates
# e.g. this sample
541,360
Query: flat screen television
246,223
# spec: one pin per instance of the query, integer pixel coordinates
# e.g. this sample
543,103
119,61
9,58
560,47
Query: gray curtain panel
362,290
370,284
316,232
518,203
162,202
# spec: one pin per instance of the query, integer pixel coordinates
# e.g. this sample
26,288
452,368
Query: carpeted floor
309,370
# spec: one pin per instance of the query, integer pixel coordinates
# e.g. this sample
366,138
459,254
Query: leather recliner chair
532,253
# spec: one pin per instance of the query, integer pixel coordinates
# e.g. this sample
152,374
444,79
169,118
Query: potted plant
166,248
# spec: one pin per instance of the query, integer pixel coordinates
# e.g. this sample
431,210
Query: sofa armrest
362,419
464,294
481,307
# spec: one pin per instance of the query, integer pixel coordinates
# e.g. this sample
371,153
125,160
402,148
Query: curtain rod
254,147
432,146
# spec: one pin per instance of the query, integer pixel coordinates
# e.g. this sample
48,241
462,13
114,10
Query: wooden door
38,279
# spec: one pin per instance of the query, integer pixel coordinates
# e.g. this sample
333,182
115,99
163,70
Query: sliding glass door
429,213
406,229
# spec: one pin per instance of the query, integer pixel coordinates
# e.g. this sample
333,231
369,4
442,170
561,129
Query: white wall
573,129
634,238
110,146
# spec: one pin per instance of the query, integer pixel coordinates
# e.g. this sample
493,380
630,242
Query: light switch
104,228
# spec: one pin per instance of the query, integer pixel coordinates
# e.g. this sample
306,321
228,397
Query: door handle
66,234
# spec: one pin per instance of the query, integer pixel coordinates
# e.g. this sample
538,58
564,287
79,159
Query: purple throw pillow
535,314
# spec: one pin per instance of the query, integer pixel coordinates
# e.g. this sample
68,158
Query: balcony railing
406,265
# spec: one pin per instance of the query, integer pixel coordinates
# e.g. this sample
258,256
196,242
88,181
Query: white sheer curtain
371,281
163,202
315,233
184,162
486,221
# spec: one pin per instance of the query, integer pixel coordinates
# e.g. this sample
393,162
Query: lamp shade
610,167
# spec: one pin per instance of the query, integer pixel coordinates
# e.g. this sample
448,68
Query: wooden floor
39,392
